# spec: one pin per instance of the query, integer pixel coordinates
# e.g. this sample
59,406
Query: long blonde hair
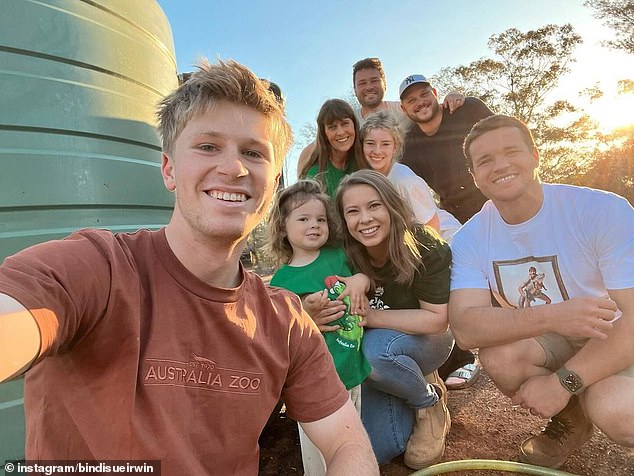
402,246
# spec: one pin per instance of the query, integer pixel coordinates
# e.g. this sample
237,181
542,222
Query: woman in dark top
406,339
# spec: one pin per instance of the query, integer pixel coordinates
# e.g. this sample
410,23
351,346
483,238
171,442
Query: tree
625,86
618,15
613,168
518,80
307,134
526,69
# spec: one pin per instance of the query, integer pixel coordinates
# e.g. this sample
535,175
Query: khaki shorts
559,349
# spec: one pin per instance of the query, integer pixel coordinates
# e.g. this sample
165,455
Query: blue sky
308,48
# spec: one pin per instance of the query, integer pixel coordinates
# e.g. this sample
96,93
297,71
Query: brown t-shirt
143,361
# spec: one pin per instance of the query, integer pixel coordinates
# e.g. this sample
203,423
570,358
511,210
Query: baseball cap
411,79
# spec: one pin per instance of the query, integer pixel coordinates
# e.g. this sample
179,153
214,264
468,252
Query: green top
331,176
351,364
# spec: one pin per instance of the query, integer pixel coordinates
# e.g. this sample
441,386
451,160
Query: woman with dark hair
407,338
338,150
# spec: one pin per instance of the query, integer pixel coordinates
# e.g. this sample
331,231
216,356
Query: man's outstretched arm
343,442
19,338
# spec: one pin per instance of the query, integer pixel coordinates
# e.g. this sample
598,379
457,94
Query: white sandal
468,375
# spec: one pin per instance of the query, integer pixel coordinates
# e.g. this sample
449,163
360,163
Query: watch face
572,383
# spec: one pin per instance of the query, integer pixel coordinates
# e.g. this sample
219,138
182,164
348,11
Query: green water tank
79,83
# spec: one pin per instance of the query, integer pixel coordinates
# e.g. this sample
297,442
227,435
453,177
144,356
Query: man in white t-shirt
569,357
368,79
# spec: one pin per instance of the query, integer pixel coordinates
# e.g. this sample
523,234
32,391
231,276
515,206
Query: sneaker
426,444
564,433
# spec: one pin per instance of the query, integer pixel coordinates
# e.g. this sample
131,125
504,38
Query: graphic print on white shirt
529,281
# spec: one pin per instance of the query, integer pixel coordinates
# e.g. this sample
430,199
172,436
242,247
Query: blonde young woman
382,145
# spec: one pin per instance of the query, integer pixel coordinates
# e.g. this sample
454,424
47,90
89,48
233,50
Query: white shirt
581,239
418,194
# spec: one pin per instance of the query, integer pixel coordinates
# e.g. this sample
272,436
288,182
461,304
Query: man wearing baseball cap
433,150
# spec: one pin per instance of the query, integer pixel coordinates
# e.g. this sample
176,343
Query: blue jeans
396,387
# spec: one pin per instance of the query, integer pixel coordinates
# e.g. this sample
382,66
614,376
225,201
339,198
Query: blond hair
226,81
384,120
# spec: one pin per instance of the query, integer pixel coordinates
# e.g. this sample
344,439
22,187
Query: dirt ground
484,426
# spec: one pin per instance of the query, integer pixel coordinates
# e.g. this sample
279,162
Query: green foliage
618,15
533,62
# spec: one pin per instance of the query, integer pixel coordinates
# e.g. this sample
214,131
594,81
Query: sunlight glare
612,110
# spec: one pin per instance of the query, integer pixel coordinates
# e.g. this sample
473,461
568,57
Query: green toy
349,327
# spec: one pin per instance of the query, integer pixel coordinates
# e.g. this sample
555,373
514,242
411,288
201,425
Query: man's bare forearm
353,459
19,338
600,358
476,323
492,326
343,442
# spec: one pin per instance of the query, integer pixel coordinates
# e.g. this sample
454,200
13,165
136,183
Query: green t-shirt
351,364
331,176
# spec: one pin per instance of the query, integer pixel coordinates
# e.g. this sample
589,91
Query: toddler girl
300,238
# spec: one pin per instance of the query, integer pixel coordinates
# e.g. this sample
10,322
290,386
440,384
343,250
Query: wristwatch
570,380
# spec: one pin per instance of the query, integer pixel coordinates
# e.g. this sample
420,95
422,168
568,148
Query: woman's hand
356,288
322,310
453,101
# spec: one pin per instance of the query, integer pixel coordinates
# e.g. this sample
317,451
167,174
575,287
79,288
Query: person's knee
618,428
521,357
608,404
497,360
380,359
